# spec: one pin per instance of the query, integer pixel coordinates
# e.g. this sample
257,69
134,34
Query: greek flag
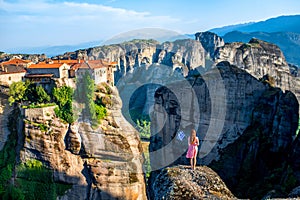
180,135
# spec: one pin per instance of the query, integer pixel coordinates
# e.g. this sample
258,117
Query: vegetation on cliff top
31,95
93,109
63,98
27,91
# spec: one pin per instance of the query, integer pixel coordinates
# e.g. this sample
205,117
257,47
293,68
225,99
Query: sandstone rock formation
101,163
257,57
180,182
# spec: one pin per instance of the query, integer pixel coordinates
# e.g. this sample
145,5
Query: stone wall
8,79
33,114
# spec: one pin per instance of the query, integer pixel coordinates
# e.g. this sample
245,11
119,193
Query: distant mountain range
279,24
52,50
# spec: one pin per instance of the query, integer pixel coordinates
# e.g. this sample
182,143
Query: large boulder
180,182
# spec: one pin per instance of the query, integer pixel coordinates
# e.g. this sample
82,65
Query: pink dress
193,149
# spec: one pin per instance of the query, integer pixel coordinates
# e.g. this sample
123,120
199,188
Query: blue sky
53,22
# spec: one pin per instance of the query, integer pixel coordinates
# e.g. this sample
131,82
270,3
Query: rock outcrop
263,149
258,58
180,182
289,42
101,163
226,94
246,129
261,59
210,42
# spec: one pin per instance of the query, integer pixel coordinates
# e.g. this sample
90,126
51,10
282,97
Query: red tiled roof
16,61
45,66
80,65
90,64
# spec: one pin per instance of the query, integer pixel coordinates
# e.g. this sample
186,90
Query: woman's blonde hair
193,136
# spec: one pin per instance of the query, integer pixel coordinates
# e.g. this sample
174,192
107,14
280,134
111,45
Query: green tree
93,108
17,92
89,88
143,126
42,96
63,98
62,95
85,94
100,111
36,94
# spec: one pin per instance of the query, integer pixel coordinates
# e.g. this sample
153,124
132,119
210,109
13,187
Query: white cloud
39,22
92,8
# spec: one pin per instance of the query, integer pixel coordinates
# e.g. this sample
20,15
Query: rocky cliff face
185,54
263,149
261,59
5,109
258,58
288,42
102,163
258,124
180,182
210,42
233,106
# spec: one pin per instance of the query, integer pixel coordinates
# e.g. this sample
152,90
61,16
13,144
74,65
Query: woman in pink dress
193,148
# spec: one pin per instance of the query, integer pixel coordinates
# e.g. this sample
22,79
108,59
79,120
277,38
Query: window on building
9,78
